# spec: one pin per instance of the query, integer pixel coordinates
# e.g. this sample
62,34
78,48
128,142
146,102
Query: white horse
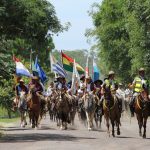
22,106
89,103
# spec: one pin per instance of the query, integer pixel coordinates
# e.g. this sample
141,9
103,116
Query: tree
112,38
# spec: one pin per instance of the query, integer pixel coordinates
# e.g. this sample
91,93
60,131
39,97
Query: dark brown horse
142,106
111,111
63,109
33,106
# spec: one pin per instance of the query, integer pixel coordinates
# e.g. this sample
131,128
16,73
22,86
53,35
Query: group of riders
86,86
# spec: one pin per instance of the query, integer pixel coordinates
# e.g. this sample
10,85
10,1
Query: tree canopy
122,36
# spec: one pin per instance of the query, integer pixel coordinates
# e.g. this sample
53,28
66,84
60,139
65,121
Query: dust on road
50,137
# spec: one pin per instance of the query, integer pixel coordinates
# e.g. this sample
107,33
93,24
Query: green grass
7,120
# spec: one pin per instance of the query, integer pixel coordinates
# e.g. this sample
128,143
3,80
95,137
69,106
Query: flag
75,79
57,67
96,72
21,70
87,67
68,64
40,71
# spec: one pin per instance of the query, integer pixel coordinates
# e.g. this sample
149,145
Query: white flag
75,79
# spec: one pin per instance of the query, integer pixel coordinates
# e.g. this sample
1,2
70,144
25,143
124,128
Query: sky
75,12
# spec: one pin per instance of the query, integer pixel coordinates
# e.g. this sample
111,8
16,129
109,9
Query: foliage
122,36
24,25
6,95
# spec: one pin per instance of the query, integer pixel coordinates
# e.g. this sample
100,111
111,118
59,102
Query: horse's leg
25,119
21,117
113,126
96,119
100,121
140,123
144,125
118,126
107,124
33,120
88,121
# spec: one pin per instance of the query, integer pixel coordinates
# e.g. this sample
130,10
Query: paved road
49,137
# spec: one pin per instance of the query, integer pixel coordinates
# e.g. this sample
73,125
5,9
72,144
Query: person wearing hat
98,87
60,83
21,87
89,84
18,89
50,89
138,83
120,92
110,81
36,83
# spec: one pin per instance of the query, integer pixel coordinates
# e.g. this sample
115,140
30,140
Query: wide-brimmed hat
21,80
111,72
141,69
98,81
120,84
88,77
35,78
82,77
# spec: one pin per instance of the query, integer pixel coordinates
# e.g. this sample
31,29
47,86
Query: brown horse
111,111
142,105
63,109
33,106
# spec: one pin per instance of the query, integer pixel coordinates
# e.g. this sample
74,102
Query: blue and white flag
21,70
40,71
57,67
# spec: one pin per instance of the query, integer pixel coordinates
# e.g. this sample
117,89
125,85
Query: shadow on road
34,137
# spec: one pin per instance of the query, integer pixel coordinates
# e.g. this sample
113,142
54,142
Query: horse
111,110
22,106
73,108
33,104
89,104
63,109
142,105
99,112
51,105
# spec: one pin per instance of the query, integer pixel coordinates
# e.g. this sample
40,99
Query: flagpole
31,59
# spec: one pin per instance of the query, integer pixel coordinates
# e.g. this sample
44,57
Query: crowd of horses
63,107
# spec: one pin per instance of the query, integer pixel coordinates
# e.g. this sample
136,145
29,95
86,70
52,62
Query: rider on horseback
18,89
137,86
111,83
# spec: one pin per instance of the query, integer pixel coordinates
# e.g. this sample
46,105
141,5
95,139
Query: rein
110,107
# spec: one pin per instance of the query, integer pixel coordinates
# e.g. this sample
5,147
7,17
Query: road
50,137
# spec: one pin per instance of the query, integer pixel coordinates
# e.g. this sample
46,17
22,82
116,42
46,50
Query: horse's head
144,94
31,89
107,92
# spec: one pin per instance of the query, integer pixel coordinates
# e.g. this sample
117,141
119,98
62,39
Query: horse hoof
90,129
118,133
144,136
140,134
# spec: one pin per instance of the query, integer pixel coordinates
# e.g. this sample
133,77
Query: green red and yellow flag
67,62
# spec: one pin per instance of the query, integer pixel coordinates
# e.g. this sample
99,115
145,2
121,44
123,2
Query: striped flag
21,70
57,67
68,62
